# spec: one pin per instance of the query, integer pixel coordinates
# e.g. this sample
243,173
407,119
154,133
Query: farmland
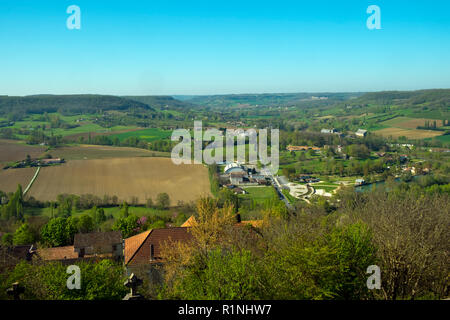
148,135
14,151
408,123
408,133
125,177
88,152
9,179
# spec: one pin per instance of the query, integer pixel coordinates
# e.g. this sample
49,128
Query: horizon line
216,94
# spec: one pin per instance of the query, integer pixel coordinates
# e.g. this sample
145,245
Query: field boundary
32,181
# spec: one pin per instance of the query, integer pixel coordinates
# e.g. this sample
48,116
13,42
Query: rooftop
97,239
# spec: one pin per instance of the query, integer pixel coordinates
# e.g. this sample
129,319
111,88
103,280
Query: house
144,252
87,246
237,177
66,255
107,244
301,148
360,182
51,161
361,133
328,131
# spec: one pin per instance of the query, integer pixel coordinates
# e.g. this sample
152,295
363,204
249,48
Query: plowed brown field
124,177
13,151
9,179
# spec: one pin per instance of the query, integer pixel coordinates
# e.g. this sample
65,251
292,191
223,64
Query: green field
148,135
445,139
258,194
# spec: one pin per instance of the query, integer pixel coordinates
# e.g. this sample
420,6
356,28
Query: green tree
226,275
48,281
23,235
7,239
85,224
163,201
149,203
127,226
59,231
14,208
125,209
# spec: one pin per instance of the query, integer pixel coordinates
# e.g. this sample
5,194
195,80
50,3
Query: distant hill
434,103
269,99
67,104
159,102
433,97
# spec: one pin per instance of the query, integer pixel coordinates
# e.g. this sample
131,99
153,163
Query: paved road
281,195
268,173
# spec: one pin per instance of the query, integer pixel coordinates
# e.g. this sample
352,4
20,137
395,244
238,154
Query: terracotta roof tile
138,247
97,239
58,253
132,244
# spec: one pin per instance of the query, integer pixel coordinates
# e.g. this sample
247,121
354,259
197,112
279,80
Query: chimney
152,252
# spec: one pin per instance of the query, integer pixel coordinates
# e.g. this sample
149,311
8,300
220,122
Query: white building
361,133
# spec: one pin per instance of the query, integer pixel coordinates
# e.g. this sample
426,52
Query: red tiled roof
132,244
58,253
137,248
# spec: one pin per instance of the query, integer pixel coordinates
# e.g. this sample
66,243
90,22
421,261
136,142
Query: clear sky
138,47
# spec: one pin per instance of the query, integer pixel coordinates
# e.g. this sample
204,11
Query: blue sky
137,47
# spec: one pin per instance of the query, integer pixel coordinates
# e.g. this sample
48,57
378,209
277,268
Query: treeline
162,102
135,142
15,108
434,98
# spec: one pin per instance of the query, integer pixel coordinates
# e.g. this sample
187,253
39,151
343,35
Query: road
277,187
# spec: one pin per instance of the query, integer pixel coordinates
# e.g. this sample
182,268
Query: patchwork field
14,151
124,177
9,179
409,133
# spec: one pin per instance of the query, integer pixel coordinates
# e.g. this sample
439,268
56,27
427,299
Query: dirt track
123,177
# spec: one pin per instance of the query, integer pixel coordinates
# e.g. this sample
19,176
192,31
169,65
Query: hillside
160,102
67,104
432,103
